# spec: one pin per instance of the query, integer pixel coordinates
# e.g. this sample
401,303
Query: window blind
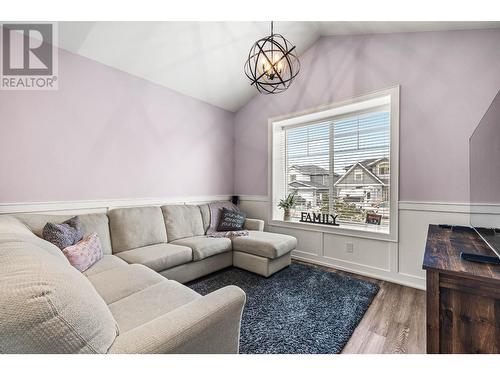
340,166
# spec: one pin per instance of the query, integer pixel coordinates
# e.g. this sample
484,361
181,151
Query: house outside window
338,161
383,169
358,175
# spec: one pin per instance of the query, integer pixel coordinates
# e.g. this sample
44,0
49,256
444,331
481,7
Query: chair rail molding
103,205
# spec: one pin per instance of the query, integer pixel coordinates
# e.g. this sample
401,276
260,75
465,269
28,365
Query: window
344,154
383,168
358,175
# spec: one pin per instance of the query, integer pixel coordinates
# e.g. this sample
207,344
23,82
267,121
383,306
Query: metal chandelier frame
272,81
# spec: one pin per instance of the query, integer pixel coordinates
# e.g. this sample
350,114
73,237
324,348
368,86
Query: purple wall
485,157
448,80
108,135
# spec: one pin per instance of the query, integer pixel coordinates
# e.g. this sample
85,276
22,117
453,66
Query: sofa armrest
209,324
254,224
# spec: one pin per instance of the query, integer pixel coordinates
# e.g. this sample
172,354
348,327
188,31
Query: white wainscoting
81,207
399,262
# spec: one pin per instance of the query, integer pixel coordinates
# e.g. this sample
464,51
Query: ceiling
205,59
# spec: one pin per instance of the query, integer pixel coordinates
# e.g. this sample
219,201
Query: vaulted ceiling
205,59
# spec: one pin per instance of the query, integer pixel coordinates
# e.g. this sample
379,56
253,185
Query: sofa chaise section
262,252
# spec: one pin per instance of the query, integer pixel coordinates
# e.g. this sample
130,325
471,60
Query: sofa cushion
92,223
204,247
106,263
11,226
158,257
120,282
49,307
136,227
264,244
150,303
205,216
13,230
182,221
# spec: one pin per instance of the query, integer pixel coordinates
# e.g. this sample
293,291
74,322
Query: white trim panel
399,262
8,208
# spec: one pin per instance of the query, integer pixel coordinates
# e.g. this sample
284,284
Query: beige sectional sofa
132,300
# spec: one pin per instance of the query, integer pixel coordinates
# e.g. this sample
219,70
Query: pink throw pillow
84,253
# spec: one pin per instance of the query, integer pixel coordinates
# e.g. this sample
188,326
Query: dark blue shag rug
301,309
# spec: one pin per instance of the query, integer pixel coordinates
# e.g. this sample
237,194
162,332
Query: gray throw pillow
215,209
231,221
65,234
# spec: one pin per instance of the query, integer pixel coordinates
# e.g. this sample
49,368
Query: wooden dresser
463,298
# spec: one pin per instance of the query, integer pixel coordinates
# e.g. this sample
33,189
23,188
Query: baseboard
402,279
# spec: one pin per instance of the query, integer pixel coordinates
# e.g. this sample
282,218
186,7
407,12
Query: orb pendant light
272,64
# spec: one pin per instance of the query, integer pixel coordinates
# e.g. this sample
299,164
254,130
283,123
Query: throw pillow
231,221
85,253
64,234
216,213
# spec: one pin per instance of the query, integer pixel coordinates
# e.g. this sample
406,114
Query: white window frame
347,107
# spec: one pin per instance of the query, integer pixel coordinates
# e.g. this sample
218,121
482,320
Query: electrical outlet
349,247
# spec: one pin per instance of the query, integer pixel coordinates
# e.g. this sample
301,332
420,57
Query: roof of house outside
308,184
366,163
311,170
314,170
366,169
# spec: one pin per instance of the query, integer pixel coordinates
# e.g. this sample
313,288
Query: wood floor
394,322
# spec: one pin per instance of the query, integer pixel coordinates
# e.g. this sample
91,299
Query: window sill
343,230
